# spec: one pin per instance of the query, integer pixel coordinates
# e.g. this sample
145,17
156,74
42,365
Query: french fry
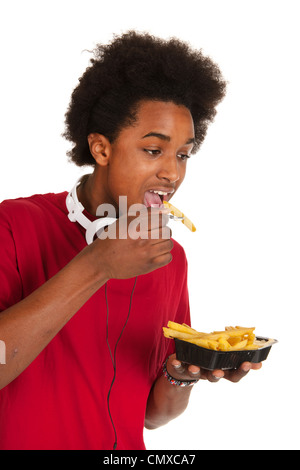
183,328
238,331
187,222
223,344
251,347
243,328
215,336
235,340
204,343
239,346
251,338
189,327
170,333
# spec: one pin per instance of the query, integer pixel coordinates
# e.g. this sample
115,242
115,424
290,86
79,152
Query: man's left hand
181,371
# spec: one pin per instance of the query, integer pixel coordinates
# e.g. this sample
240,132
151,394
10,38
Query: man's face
151,154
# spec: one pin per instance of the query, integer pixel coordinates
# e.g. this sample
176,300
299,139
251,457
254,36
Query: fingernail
176,365
218,377
246,368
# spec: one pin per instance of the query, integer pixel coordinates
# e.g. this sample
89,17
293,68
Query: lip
163,189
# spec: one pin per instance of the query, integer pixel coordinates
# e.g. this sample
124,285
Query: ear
100,148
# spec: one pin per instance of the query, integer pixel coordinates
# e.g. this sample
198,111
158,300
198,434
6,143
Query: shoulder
31,206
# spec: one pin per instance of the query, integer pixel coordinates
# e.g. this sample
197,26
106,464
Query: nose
169,169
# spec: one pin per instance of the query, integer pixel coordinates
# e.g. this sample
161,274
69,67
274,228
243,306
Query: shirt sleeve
10,280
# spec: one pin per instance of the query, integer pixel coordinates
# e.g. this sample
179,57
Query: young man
82,323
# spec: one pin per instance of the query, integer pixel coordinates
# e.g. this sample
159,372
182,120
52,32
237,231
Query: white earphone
76,209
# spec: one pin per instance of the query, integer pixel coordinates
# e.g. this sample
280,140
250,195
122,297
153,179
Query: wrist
178,382
93,271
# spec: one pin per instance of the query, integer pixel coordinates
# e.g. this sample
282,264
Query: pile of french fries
232,338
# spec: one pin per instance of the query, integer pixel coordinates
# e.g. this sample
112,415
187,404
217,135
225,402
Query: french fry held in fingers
177,213
231,339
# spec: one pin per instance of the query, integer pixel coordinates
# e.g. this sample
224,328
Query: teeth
161,193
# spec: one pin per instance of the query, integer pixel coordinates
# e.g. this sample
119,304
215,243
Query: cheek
125,173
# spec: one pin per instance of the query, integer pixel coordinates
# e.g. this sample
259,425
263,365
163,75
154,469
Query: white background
242,189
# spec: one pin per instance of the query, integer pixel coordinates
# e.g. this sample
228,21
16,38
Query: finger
175,366
215,375
194,372
187,372
161,233
237,374
161,254
157,218
154,225
161,247
148,220
160,261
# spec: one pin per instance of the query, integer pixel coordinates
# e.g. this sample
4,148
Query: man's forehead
156,118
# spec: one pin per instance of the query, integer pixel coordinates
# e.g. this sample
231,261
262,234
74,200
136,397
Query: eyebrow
166,137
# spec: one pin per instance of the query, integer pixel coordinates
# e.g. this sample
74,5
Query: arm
28,326
167,401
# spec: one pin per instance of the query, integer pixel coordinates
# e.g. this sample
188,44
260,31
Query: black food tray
211,360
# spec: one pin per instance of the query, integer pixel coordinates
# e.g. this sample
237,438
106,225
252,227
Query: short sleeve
10,280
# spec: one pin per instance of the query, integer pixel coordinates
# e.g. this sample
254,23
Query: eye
183,156
152,152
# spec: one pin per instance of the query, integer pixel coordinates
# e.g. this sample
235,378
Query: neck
91,192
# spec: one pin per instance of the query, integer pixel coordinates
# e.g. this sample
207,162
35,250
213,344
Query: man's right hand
123,256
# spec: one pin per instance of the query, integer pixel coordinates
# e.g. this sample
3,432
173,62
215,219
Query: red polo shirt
60,400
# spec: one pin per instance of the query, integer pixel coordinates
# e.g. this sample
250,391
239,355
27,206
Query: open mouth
155,197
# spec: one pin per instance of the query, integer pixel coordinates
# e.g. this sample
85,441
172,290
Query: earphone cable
113,357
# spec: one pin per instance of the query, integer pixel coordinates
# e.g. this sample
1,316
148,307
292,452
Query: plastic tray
211,360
